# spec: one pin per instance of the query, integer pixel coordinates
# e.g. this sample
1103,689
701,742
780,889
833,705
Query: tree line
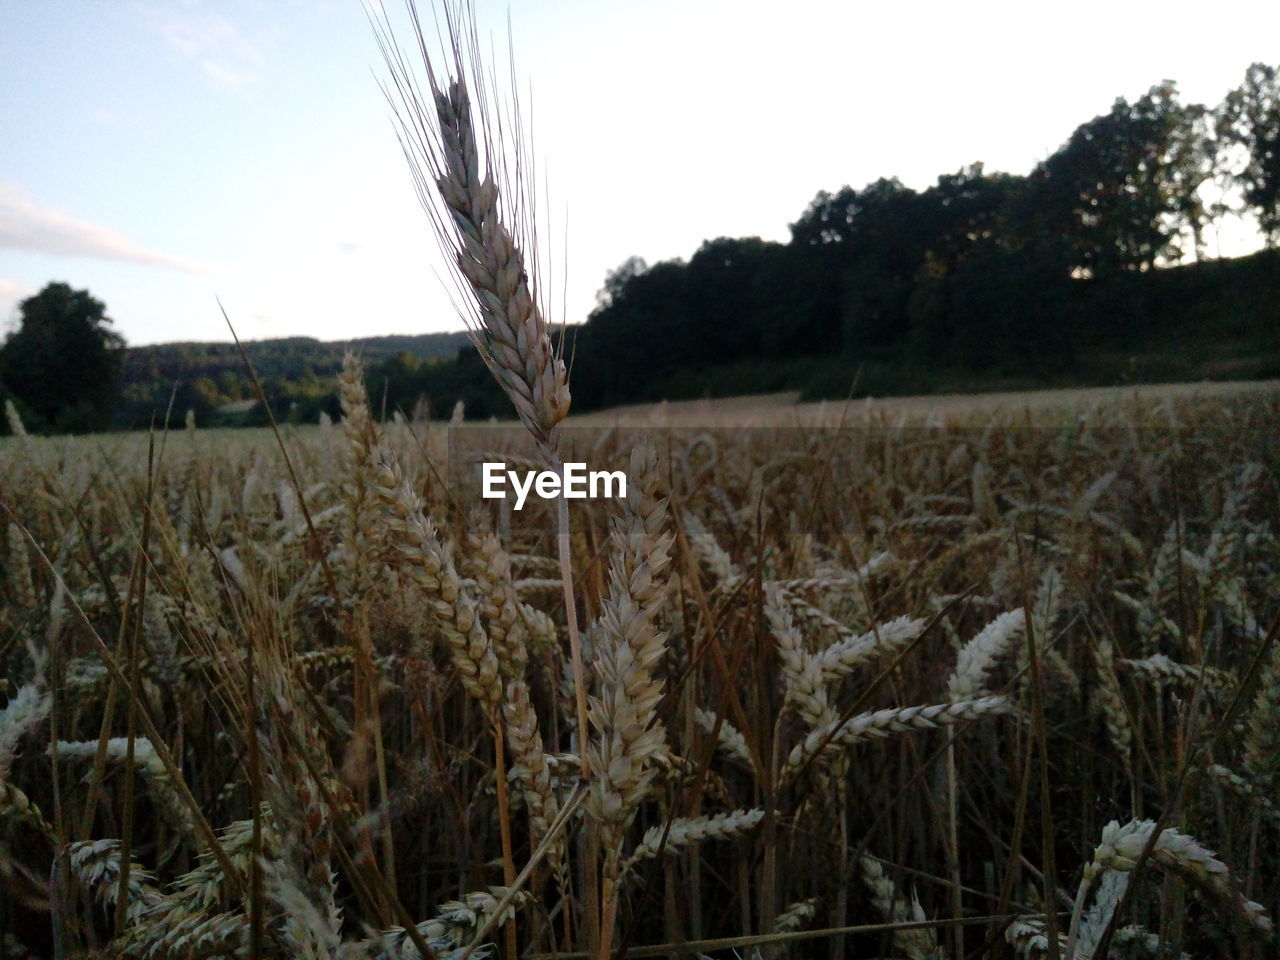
65,369
981,277
980,272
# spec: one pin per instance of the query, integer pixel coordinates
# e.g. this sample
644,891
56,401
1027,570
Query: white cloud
25,225
227,76
207,38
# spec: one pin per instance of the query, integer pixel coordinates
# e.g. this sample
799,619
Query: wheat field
854,684
878,690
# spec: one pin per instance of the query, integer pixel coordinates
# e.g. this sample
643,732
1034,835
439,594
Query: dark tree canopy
1118,187
63,362
1250,118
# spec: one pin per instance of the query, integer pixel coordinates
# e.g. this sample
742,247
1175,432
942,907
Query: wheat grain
1120,848
979,655
427,563
684,832
880,724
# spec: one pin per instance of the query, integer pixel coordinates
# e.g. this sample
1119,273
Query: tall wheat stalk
477,186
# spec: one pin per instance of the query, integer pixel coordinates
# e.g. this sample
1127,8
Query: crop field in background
960,683
1035,407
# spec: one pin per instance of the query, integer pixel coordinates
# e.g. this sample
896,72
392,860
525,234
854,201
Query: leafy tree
1195,155
795,305
829,218
723,291
615,284
64,361
1120,187
1007,311
868,243
647,326
1250,118
967,207
397,383
879,218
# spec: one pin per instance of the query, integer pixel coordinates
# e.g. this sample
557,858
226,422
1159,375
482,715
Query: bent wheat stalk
1123,846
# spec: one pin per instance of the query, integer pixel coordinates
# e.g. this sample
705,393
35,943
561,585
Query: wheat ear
879,724
25,711
21,585
487,240
847,654
630,647
97,863
16,805
979,655
531,767
806,693
685,832
359,496
917,943
1122,846
431,567
630,737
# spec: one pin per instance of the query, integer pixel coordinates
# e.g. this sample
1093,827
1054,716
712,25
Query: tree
868,245
1250,118
1194,161
881,218
1001,308
967,207
647,325
723,292
1122,187
63,361
615,284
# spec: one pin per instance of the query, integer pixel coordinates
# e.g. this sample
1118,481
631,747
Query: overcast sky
162,153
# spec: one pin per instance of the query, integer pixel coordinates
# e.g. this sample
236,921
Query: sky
170,154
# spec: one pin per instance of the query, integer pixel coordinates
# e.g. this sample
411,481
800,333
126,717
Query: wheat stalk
461,186
1122,846
881,724
629,736
684,832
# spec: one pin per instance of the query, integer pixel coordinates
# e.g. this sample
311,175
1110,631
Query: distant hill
290,357
211,378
